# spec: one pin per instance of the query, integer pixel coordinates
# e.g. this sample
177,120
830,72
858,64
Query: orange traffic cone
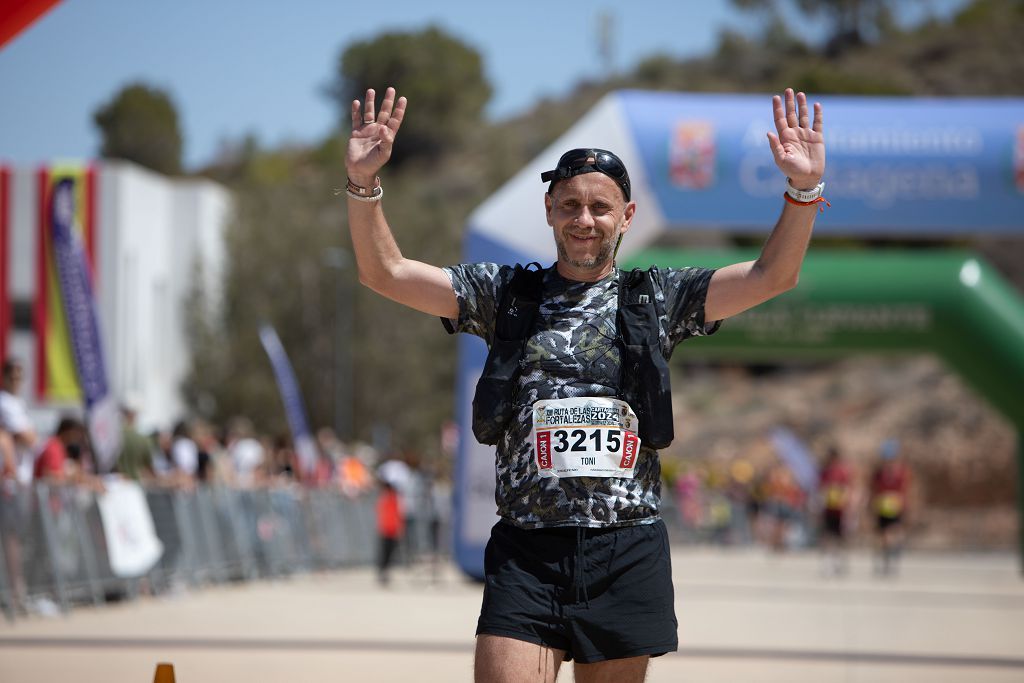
164,673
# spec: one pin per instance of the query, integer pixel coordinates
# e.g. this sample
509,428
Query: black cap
589,160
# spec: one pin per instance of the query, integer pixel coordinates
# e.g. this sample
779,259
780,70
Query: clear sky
239,66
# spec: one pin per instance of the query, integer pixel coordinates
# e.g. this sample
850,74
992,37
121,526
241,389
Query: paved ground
744,616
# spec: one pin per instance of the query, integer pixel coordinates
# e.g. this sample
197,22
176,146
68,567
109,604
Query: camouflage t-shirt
573,352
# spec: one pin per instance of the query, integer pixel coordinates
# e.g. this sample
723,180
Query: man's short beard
604,255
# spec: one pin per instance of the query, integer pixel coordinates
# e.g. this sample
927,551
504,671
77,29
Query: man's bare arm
381,265
799,151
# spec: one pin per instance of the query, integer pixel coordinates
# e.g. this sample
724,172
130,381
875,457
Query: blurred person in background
184,454
15,499
690,499
835,491
404,475
783,502
739,491
246,453
329,443
13,519
54,463
417,506
212,462
324,471
15,421
390,529
284,462
573,518
440,512
718,508
135,461
354,476
160,451
889,489
67,459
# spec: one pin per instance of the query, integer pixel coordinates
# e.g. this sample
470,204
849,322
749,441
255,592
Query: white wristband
805,196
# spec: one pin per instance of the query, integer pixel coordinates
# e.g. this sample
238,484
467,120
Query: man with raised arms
578,565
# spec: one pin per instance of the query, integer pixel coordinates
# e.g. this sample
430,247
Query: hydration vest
643,374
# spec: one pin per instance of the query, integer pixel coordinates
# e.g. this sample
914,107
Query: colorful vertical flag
56,376
291,396
70,318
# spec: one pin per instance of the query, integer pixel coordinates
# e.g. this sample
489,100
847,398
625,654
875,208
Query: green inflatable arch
950,303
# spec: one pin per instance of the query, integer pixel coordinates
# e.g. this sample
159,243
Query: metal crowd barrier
54,554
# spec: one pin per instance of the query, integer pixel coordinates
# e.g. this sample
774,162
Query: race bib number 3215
585,437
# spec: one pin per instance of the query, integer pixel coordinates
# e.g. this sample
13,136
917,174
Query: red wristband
819,200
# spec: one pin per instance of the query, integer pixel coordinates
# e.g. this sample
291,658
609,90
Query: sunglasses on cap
589,160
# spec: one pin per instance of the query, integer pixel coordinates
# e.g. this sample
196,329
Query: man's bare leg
628,670
507,660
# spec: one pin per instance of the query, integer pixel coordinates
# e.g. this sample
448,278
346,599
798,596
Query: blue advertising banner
291,396
75,284
896,166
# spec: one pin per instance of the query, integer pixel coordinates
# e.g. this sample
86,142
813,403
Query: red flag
17,15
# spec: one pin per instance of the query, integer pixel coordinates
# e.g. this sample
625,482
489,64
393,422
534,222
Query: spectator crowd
195,454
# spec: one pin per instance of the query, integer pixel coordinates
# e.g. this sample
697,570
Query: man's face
587,213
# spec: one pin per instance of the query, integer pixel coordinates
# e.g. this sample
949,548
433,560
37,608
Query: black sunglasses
588,160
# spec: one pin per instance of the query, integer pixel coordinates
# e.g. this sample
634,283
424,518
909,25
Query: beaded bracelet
378,192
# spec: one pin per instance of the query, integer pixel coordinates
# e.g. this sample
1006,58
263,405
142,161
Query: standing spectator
66,458
690,500
439,492
390,529
136,459
184,453
353,475
54,462
208,450
396,473
889,486
160,448
246,453
11,520
835,487
741,497
329,443
329,453
407,482
15,421
783,502
284,464
15,502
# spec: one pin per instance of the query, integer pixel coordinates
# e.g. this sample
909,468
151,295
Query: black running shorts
596,593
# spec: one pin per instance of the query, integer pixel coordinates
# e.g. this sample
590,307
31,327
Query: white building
152,234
